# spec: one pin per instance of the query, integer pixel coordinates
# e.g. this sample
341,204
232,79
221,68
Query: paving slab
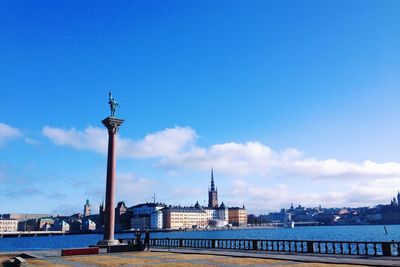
309,258
165,259
161,257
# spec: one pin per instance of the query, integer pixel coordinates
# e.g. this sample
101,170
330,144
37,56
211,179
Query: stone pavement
306,258
204,258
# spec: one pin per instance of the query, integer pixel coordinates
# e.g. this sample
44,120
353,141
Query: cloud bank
7,133
176,148
260,177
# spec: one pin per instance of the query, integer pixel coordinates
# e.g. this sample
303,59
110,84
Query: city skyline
287,102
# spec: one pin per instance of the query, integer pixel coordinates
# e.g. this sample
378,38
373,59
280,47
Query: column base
107,243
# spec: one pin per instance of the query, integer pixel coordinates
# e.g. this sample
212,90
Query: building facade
61,225
156,220
122,217
147,216
184,218
44,224
140,222
8,225
86,208
237,216
25,216
88,225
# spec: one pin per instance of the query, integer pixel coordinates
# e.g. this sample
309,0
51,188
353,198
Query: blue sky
289,101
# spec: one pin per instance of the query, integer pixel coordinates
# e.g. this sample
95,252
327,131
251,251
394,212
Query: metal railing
291,246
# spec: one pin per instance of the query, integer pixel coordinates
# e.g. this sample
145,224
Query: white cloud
162,143
90,139
7,133
176,149
258,198
254,158
170,141
248,165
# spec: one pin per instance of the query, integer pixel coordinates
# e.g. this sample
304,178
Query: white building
8,225
221,213
156,219
147,215
146,208
212,214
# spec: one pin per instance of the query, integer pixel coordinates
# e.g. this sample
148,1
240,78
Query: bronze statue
113,104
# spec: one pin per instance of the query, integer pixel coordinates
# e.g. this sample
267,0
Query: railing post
386,249
181,243
169,244
213,243
255,245
310,247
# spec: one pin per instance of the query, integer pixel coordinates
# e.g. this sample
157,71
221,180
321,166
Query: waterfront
341,233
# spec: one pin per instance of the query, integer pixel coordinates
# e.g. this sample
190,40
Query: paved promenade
204,258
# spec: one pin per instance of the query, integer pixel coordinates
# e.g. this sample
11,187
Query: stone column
112,124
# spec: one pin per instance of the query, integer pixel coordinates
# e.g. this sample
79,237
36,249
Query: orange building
237,216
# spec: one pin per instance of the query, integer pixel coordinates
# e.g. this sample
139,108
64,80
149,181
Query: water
339,233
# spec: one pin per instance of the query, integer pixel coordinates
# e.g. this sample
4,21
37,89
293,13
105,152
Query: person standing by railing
147,240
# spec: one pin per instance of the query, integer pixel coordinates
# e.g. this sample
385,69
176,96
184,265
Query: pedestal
112,124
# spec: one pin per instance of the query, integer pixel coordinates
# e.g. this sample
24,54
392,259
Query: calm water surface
345,233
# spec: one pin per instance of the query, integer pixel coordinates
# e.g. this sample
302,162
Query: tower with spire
212,193
86,208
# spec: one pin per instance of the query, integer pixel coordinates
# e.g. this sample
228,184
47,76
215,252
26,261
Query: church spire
212,180
212,193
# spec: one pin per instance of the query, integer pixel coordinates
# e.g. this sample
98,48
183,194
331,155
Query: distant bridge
31,233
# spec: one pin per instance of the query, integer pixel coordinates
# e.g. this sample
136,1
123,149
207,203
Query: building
86,208
184,218
88,225
60,225
28,225
217,216
219,213
223,213
8,225
24,216
156,220
147,215
44,224
140,222
122,217
146,208
212,193
237,216
75,225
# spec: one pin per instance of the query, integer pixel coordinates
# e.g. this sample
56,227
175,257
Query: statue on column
113,104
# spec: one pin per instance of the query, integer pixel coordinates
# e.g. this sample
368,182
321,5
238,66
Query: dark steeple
212,180
398,198
212,193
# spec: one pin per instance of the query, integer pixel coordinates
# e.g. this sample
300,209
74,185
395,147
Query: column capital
112,124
